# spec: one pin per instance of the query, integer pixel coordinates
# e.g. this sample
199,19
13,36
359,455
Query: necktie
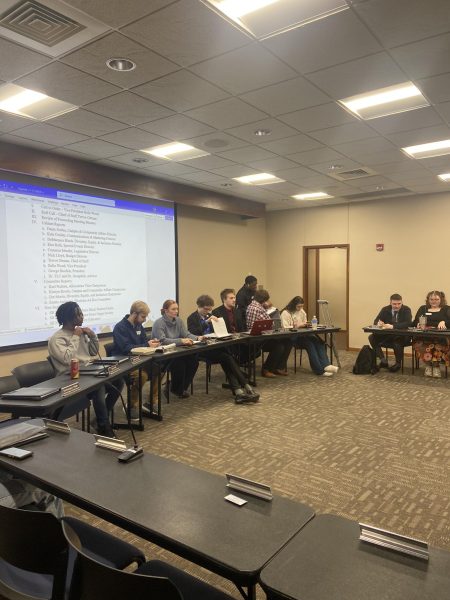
395,316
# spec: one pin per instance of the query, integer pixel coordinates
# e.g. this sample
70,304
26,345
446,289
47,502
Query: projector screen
58,245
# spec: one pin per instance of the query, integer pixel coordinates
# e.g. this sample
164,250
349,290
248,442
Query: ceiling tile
202,177
247,154
286,188
273,164
344,133
134,138
318,117
9,122
24,61
128,108
247,132
295,143
186,32
345,164
68,84
338,38
257,68
296,175
97,148
216,142
177,127
408,20
226,114
412,119
116,12
87,123
320,155
426,58
210,162
436,89
368,146
234,171
286,97
181,91
13,139
420,136
144,160
92,59
444,110
173,168
376,158
359,76
43,132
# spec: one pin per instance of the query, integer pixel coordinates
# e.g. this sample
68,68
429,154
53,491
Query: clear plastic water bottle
314,322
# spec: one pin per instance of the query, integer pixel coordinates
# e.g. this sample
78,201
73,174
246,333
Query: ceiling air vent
39,23
353,174
377,194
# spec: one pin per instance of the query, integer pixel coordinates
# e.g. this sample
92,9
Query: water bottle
314,322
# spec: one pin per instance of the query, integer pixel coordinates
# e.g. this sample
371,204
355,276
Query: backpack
366,362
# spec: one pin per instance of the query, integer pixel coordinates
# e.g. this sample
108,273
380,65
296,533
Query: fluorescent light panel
429,150
259,179
266,18
386,101
33,105
312,196
444,176
175,151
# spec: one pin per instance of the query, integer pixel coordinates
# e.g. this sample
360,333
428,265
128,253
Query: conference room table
327,561
175,506
411,334
161,360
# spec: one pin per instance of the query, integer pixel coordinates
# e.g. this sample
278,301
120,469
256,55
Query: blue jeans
103,405
317,352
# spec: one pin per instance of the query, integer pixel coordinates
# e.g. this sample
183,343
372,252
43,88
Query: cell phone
17,453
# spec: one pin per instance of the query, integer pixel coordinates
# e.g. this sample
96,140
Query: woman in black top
431,350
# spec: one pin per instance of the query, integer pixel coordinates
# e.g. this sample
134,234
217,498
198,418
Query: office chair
157,580
35,561
33,373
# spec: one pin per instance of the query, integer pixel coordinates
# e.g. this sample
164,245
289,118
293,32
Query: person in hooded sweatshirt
170,329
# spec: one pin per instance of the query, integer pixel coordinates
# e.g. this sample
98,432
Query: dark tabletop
326,561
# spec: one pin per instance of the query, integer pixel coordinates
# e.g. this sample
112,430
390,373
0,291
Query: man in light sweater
75,341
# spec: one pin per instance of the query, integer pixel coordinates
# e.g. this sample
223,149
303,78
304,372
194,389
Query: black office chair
35,561
157,580
33,373
8,383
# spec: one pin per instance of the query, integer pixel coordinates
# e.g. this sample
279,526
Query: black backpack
366,362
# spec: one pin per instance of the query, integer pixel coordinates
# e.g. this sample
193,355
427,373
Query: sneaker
437,372
396,367
327,374
428,372
246,397
384,364
331,369
268,374
281,372
147,408
184,394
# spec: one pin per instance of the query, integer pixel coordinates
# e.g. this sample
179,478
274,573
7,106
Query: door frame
305,278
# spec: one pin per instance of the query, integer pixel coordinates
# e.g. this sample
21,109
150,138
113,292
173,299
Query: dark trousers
233,373
377,340
279,351
182,372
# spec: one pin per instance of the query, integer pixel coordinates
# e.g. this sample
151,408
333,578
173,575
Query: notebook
220,329
20,434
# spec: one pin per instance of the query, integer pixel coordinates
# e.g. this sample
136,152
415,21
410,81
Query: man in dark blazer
394,316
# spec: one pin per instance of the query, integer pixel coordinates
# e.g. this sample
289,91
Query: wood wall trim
29,161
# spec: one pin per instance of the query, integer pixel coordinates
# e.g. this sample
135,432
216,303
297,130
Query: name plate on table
393,541
110,443
253,488
58,426
70,389
135,360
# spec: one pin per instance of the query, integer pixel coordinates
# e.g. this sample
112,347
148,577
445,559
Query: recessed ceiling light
428,150
121,64
312,196
265,18
28,103
175,151
140,160
226,184
444,176
334,167
262,132
386,101
259,179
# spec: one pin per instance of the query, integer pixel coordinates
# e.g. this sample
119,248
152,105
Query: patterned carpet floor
371,448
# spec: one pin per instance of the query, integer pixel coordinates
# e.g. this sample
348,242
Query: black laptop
31,393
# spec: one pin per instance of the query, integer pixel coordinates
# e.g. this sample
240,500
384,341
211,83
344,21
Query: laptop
259,327
95,370
32,393
220,330
110,360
